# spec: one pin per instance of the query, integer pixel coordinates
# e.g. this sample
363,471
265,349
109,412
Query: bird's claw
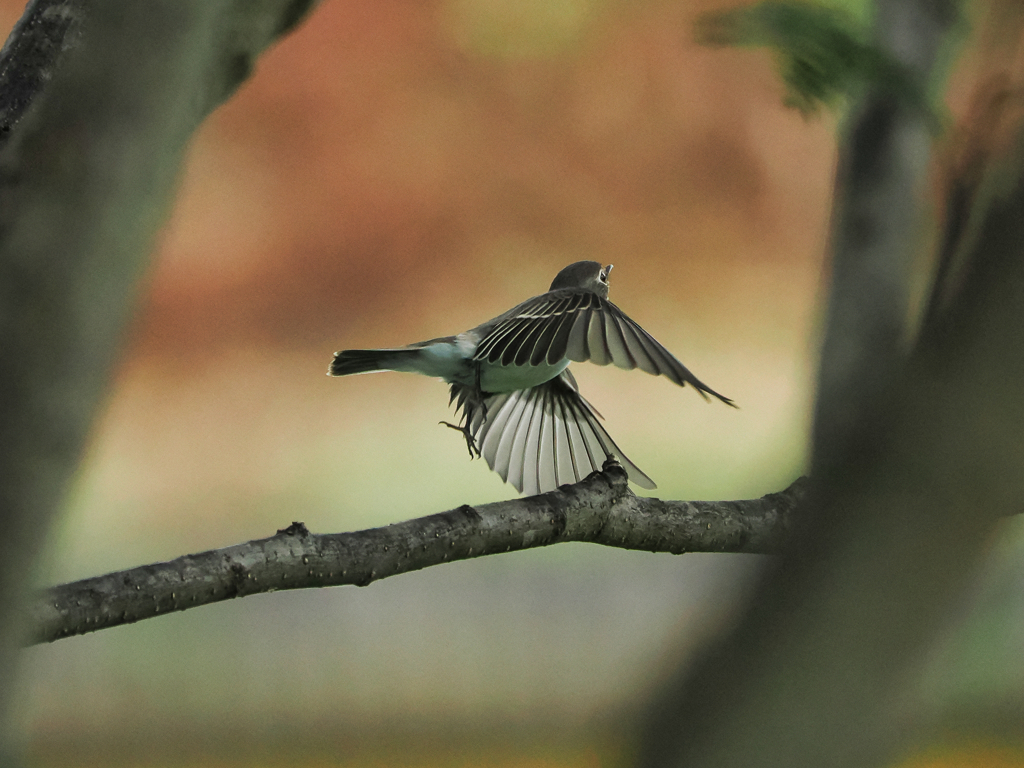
474,451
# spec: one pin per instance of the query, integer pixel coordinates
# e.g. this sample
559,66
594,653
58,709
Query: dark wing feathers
541,352
514,340
540,438
560,338
637,349
525,352
576,344
581,326
665,361
616,342
497,338
596,342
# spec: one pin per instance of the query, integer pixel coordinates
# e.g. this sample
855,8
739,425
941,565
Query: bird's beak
607,272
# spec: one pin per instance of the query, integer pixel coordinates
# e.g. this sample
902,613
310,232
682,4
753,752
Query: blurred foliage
824,53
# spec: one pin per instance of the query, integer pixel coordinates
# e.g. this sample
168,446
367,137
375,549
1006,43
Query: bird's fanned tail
540,438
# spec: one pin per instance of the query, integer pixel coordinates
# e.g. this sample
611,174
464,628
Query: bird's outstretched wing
540,438
580,326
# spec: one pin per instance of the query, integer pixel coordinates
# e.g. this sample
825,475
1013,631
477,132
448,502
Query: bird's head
585,276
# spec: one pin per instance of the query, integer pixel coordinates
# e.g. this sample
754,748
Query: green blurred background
396,171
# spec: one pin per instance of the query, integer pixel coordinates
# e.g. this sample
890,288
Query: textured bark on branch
600,509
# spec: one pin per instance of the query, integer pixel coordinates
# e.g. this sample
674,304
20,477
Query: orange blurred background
397,171
401,171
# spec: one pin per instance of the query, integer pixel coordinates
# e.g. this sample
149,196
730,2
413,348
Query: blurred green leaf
824,54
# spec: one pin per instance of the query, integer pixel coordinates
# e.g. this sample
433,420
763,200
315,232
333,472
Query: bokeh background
396,171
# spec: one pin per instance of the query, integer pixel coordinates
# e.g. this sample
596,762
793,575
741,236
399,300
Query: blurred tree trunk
87,177
916,456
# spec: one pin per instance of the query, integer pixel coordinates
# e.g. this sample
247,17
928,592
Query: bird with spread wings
521,408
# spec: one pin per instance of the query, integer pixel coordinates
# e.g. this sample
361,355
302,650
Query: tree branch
600,509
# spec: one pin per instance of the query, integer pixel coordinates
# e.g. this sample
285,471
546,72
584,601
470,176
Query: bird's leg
463,427
474,400
611,460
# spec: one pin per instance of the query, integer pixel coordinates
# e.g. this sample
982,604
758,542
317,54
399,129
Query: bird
521,408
